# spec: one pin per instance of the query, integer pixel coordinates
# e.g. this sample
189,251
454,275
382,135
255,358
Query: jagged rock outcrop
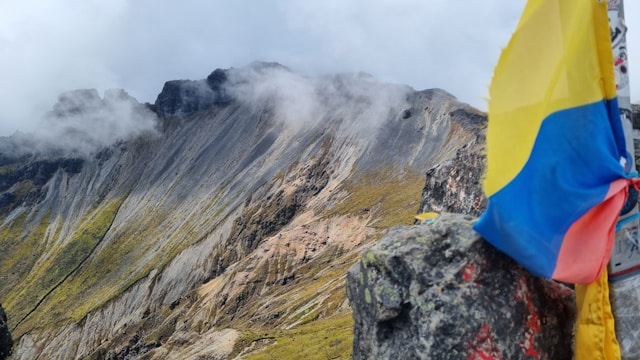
438,291
184,97
6,342
454,185
89,103
24,183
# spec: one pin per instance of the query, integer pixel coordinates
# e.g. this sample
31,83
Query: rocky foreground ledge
438,291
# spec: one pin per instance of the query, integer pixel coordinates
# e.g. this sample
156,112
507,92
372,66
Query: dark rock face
438,291
184,97
26,182
6,342
455,185
39,171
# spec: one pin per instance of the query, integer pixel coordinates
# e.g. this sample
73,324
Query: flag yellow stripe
558,58
595,327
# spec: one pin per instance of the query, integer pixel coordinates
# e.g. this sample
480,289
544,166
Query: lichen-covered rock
6,342
438,291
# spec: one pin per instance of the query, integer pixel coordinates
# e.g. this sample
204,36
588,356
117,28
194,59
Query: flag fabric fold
556,155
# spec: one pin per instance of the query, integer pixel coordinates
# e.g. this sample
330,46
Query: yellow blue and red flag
556,178
557,165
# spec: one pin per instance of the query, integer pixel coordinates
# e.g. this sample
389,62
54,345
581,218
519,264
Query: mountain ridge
229,218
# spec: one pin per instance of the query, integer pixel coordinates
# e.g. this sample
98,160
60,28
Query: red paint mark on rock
532,326
469,273
483,346
532,329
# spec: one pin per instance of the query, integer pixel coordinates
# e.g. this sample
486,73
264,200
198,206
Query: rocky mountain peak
184,97
217,79
77,101
81,124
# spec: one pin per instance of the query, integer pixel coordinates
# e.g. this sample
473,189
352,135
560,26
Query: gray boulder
438,291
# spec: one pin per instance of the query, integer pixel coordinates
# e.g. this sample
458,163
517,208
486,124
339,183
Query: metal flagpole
624,266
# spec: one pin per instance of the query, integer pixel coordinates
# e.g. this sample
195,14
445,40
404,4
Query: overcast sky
50,46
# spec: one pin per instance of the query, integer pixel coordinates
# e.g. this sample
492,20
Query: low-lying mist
304,102
82,122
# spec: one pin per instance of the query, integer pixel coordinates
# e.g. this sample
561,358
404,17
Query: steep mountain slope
228,228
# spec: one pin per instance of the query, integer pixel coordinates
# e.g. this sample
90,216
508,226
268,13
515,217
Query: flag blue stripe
575,157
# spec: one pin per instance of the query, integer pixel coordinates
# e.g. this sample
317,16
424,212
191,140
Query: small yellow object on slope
595,330
427,217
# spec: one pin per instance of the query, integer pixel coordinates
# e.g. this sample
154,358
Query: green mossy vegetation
17,195
109,272
48,274
330,338
20,249
391,199
103,276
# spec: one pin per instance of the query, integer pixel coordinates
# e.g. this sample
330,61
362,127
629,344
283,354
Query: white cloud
50,46
450,45
303,101
81,123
